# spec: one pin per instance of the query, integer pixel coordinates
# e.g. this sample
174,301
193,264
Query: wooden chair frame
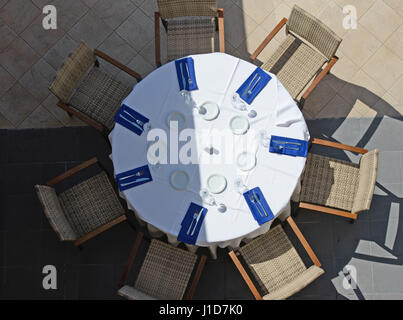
191,289
157,18
318,77
329,210
234,256
100,229
72,111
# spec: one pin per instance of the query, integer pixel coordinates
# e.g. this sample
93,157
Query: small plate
179,180
246,161
212,110
216,183
176,116
239,125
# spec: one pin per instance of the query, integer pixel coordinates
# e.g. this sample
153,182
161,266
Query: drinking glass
238,103
264,139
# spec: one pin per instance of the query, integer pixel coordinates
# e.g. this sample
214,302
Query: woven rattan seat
85,209
99,97
274,262
91,204
190,35
295,64
340,184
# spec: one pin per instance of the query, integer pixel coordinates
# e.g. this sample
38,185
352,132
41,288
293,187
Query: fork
190,81
252,199
257,197
195,215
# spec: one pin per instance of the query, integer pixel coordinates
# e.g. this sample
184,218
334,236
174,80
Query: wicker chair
275,264
190,25
84,210
164,274
87,92
308,46
339,187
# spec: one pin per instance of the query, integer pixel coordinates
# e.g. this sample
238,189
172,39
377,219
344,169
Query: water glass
238,103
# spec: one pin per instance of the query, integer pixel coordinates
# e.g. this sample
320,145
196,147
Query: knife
256,196
137,121
133,123
138,174
135,181
252,199
286,142
197,221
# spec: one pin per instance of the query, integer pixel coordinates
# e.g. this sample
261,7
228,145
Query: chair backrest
55,214
314,31
366,182
169,9
73,69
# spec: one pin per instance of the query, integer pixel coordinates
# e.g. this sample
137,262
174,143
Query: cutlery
286,142
250,83
254,86
197,221
189,78
254,202
137,121
183,76
282,147
138,174
257,197
133,123
135,181
195,215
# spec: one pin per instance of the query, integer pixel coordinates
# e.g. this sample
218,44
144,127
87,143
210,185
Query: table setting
209,150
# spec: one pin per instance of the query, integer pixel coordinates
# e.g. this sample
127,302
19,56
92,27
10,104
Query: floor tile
388,278
38,79
137,30
396,5
38,38
7,81
69,12
381,12
114,13
397,90
17,104
40,118
97,282
362,6
61,115
5,124
332,15
385,67
90,29
7,36
149,7
59,52
18,14
18,57
17,278
395,42
257,10
359,45
389,167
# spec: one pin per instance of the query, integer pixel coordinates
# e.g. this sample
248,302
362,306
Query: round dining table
203,148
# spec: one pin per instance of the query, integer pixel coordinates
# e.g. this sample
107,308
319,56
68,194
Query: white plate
176,116
246,161
216,183
179,180
212,110
239,125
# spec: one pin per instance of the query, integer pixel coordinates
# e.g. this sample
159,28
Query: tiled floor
366,82
373,245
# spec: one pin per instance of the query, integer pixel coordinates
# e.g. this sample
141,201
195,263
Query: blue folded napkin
254,85
133,178
182,67
258,205
190,226
289,146
131,119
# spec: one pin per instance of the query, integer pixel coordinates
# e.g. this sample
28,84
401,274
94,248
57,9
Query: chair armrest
303,241
117,64
221,29
99,230
133,253
245,276
321,75
72,171
323,209
196,278
268,38
337,145
80,116
157,39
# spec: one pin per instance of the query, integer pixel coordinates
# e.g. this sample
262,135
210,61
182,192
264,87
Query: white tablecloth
218,77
